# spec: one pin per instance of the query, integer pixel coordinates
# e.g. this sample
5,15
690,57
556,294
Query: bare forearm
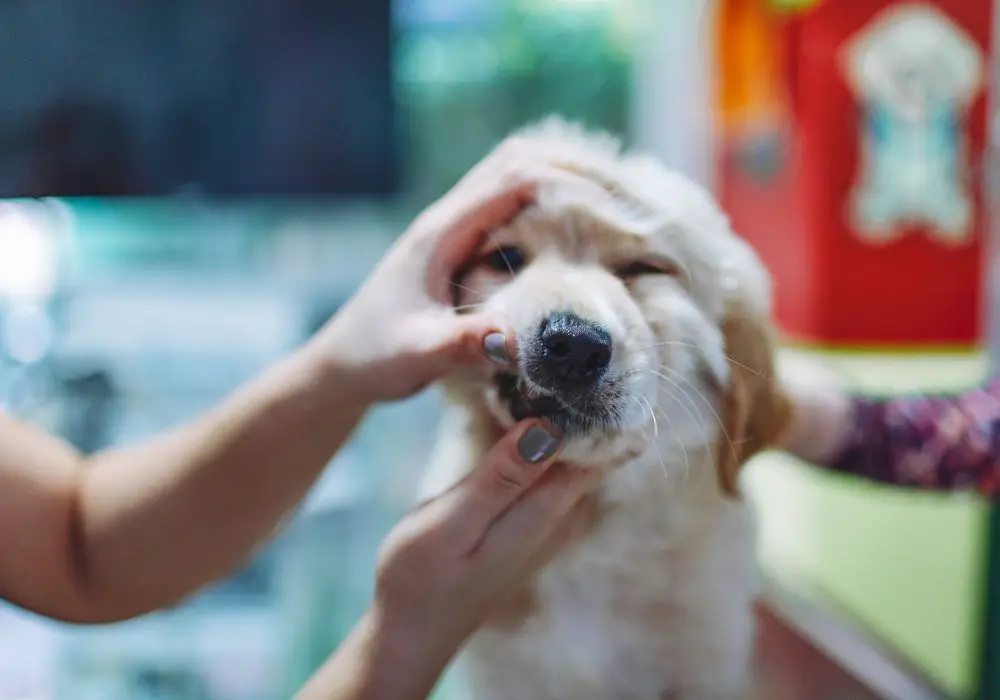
156,521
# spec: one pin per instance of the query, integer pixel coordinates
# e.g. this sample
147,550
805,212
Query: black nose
574,352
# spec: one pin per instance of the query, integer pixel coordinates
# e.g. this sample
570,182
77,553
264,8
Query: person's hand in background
822,409
400,332
447,564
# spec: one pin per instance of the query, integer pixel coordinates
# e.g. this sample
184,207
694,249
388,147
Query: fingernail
537,444
495,348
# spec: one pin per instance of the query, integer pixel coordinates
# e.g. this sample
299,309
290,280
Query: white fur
656,601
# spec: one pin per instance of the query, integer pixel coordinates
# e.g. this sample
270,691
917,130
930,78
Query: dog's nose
575,352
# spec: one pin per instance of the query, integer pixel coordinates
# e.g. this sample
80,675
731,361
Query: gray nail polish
537,444
495,348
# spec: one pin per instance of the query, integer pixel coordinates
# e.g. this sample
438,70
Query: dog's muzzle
562,375
569,354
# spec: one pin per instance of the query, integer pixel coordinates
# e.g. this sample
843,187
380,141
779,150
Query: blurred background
193,189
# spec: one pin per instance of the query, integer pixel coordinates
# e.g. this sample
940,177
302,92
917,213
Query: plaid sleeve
932,442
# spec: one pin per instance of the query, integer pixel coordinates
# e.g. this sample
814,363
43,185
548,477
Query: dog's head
642,322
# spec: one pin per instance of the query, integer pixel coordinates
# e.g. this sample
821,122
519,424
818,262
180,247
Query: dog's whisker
645,436
663,463
638,402
653,443
689,407
680,444
656,427
466,307
503,255
708,404
453,283
729,359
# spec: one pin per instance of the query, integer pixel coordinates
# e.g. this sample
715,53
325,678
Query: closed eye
640,268
509,259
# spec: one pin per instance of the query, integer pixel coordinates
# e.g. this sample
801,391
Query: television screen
224,97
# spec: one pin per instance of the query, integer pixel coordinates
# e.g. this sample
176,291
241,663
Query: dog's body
654,602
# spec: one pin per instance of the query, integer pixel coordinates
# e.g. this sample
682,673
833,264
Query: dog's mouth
574,415
525,403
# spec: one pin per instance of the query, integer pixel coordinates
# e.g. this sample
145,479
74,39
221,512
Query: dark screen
229,97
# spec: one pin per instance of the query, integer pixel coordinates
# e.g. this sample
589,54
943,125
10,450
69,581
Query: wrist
820,424
338,374
342,354
383,658
401,641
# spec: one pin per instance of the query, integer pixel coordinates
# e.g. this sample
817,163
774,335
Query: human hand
400,332
821,408
467,552
445,566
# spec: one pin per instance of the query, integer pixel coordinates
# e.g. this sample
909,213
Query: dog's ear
755,412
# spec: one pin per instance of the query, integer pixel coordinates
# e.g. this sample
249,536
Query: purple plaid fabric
934,442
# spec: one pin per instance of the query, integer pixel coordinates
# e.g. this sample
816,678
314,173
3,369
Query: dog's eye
640,268
506,259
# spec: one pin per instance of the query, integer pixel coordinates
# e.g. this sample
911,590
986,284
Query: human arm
451,561
935,442
114,535
127,531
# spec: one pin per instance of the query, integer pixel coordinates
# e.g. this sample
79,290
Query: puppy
643,334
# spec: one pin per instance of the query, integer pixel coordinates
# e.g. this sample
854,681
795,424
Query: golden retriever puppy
643,334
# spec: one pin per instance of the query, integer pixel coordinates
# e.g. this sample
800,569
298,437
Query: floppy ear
755,411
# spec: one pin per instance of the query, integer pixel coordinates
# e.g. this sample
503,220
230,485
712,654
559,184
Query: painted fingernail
537,444
495,348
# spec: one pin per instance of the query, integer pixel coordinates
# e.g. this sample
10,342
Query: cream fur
655,602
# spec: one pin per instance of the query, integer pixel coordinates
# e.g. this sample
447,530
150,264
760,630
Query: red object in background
788,171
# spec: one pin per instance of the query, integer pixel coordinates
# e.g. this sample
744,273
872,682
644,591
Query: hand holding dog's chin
452,561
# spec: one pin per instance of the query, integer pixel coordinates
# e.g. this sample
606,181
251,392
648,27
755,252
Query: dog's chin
593,431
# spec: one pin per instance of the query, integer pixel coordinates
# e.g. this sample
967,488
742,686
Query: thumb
475,339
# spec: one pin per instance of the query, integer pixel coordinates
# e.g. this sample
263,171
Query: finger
476,339
508,471
447,345
494,203
537,516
